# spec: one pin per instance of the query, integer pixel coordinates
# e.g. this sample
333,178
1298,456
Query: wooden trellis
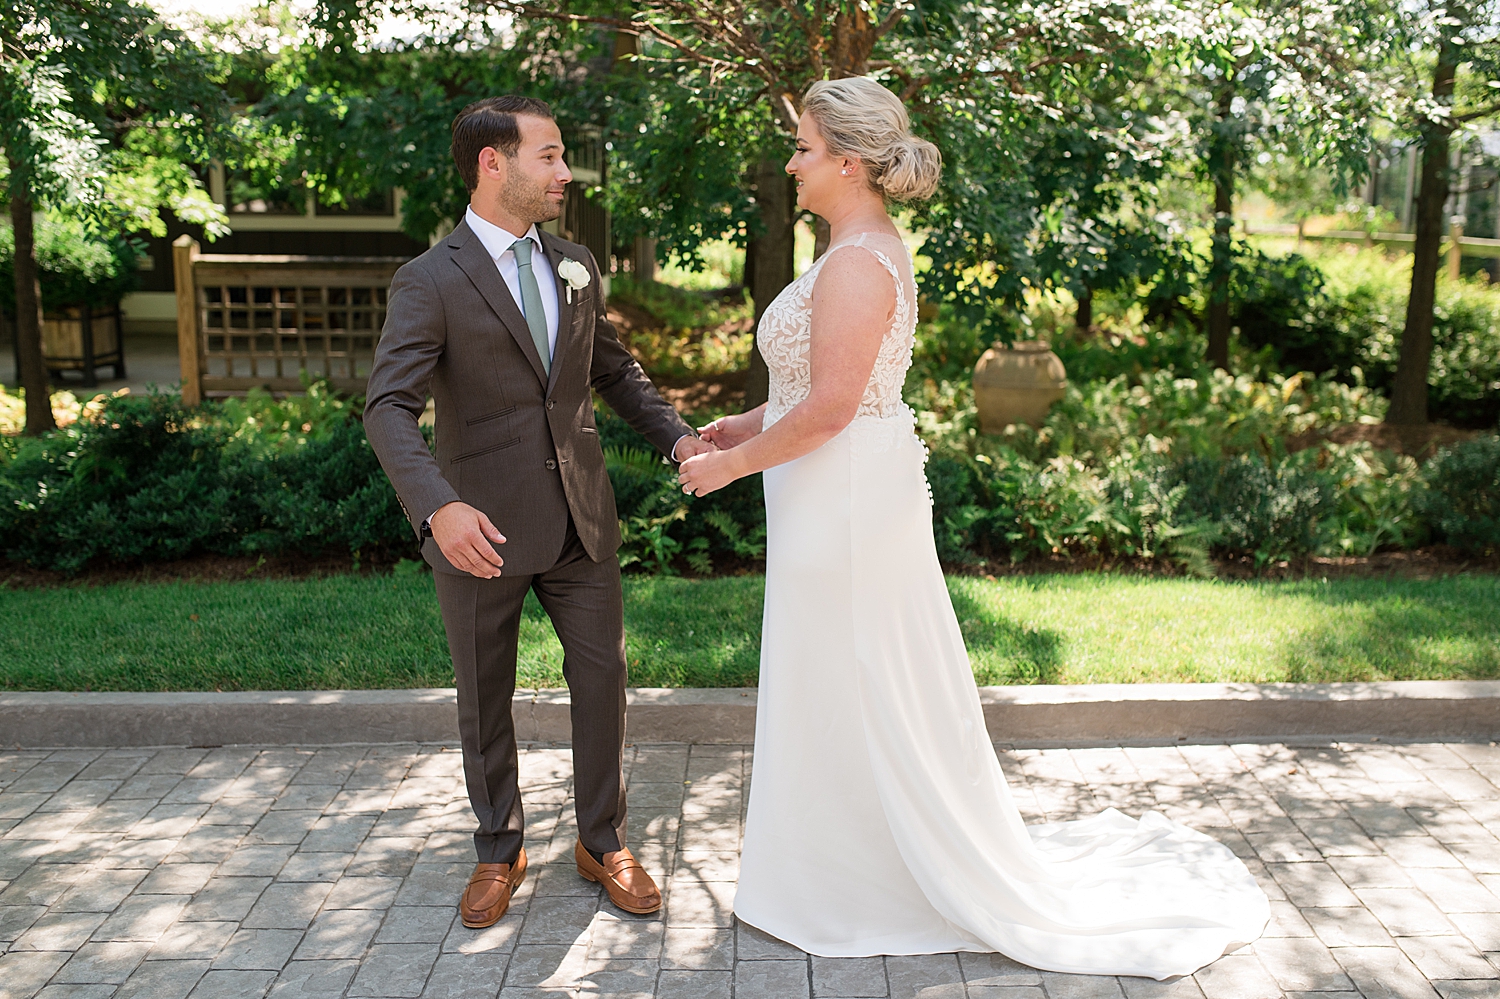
258,321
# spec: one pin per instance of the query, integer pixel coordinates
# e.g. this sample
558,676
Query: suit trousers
483,619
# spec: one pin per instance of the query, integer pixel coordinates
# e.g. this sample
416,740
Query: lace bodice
784,336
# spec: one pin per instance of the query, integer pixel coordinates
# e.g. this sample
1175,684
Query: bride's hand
703,473
731,431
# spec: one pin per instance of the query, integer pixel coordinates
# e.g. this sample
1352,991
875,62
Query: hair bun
857,116
913,171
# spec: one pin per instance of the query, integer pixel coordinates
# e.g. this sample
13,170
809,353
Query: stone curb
1032,716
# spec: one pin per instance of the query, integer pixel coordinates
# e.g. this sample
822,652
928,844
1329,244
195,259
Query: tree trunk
1085,318
643,250
770,260
33,373
643,260
1221,164
1409,388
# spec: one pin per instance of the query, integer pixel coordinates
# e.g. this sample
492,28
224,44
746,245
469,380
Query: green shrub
659,524
690,334
1269,509
1345,312
1164,467
1280,305
1462,499
945,348
77,267
1098,358
147,480
1170,467
1464,380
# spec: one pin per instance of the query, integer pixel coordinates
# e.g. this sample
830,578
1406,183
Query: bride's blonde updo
859,117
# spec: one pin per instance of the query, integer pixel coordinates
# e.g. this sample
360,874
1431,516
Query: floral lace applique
785,336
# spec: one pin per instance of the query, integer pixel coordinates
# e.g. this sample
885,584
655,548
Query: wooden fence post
189,345
1455,250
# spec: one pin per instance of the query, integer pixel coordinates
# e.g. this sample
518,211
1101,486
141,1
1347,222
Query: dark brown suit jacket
511,441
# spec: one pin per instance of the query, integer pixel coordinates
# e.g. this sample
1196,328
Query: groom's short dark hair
490,122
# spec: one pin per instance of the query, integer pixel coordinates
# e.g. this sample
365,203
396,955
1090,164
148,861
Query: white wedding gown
879,820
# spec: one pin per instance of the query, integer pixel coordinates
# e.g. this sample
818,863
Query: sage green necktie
531,301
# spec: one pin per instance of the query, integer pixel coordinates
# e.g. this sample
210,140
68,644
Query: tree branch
643,26
1483,112
898,11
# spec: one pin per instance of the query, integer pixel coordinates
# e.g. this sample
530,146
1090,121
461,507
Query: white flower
575,274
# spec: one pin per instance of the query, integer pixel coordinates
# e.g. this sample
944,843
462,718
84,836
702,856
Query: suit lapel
471,256
555,256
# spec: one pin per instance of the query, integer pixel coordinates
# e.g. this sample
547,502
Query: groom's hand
465,535
687,446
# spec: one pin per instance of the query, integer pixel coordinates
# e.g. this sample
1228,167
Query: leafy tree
1286,78
1095,173
101,104
721,85
348,115
1442,73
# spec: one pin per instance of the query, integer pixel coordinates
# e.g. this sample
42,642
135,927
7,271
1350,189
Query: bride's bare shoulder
849,263
853,282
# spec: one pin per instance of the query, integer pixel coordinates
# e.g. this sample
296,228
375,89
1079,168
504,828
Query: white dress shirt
497,243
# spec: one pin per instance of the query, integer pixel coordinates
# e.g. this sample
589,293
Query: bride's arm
853,302
732,431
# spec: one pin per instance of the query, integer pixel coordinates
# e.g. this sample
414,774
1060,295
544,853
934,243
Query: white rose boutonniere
575,274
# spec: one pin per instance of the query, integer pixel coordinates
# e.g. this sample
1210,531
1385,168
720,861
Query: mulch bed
198,569
1429,562
1419,441
1422,563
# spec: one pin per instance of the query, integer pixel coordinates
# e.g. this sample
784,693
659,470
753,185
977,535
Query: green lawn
385,631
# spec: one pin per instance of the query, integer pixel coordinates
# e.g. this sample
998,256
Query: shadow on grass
1398,630
1001,650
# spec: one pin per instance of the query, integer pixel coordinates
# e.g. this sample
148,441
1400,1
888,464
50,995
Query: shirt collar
495,239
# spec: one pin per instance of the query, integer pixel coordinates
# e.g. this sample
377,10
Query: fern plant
745,544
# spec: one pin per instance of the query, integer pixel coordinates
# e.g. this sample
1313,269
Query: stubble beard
529,201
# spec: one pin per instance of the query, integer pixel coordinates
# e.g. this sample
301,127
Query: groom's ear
492,164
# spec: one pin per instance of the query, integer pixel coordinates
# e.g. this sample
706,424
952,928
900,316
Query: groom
504,324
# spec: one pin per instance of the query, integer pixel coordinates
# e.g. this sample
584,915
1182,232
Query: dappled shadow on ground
1003,650
723,393
1380,630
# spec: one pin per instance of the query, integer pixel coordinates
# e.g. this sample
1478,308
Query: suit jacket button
551,464
551,403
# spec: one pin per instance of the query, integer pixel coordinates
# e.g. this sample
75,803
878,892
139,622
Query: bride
879,821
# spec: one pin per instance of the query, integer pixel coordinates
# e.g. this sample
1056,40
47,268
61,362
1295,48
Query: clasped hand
716,467
467,538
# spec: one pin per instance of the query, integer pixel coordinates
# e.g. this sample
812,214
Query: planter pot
1017,384
83,339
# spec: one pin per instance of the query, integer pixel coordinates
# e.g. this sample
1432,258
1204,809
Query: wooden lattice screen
248,321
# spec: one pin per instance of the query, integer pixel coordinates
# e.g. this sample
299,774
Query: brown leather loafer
627,882
488,894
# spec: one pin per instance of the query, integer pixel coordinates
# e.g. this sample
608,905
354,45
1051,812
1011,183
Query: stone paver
334,872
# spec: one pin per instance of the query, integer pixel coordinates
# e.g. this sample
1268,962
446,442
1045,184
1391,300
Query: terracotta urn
1017,384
